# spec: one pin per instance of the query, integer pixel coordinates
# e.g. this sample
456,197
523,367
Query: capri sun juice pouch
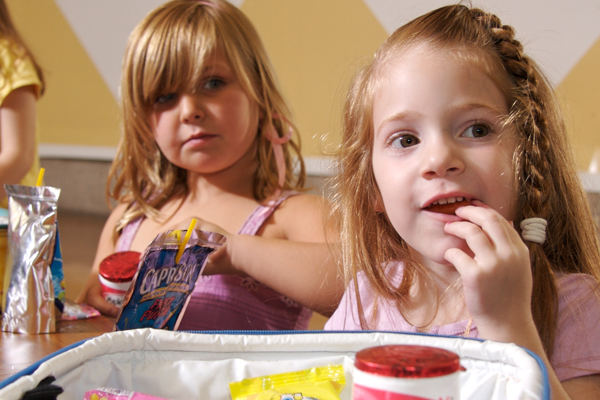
161,288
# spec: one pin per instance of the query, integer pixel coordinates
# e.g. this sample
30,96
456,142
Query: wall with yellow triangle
78,107
315,45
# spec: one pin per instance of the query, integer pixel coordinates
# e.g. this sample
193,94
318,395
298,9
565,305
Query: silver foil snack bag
32,239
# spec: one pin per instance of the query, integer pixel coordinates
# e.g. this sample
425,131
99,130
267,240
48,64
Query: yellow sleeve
16,70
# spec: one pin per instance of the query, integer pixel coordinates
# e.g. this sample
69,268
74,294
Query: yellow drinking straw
41,177
185,240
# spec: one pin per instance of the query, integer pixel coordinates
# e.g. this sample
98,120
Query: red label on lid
121,266
406,361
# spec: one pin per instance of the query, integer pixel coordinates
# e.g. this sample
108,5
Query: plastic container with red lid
116,273
402,372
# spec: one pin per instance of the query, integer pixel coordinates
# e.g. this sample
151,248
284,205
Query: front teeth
448,200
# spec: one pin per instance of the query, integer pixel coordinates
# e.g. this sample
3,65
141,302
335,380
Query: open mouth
448,205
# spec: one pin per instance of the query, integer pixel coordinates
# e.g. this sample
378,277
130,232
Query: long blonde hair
547,179
9,32
165,54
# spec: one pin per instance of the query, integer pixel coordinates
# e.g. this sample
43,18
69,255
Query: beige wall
78,107
315,46
580,92
314,63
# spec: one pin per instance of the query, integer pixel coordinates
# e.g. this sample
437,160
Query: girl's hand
497,278
95,299
219,262
201,224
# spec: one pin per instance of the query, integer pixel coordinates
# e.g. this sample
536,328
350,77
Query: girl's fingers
489,236
464,264
477,240
495,226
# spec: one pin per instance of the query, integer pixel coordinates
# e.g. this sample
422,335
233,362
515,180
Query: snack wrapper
161,288
32,237
117,394
319,383
73,311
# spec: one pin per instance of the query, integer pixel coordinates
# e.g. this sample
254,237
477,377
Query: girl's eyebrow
474,106
217,65
453,109
397,117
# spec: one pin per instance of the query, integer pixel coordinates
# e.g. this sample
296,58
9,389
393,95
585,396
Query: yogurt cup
402,372
116,273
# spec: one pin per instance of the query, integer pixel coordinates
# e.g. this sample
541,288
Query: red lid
121,266
405,361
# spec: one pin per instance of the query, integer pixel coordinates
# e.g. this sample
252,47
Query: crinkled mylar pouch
34,279
319,383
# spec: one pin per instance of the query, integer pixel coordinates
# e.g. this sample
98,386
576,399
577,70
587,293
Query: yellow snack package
319,383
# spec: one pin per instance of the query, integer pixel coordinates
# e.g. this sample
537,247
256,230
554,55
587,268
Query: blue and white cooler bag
200,365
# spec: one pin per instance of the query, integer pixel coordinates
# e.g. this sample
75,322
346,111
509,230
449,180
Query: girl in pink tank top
234,302
207,134
462,210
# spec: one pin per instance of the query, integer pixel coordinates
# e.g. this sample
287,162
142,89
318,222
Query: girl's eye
213,84
405,141
166,98
477,131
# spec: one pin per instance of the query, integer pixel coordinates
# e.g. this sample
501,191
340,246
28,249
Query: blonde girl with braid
460,207
207,135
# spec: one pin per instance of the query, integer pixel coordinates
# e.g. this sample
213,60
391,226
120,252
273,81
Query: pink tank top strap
127,234
250,227
262,213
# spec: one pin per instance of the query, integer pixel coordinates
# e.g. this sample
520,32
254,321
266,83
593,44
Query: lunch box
200,365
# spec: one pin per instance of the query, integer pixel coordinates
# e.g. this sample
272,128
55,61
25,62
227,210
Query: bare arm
17,135
305,272
583,388
91,293
302,263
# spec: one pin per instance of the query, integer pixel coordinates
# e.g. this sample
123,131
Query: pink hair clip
277,142
208,3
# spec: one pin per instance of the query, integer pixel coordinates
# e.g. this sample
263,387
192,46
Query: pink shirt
577,343
230,302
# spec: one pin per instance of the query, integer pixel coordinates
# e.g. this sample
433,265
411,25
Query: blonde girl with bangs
460,204
207,134
21,85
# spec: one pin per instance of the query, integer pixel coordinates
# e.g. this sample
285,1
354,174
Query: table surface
19,350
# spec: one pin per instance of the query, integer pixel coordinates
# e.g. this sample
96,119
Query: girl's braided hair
547,184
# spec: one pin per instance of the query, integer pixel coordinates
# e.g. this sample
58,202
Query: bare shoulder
303,206
116,214
303,218
106,243
304,201
107,235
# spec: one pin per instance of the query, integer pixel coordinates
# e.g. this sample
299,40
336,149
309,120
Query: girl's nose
191,110
441,157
